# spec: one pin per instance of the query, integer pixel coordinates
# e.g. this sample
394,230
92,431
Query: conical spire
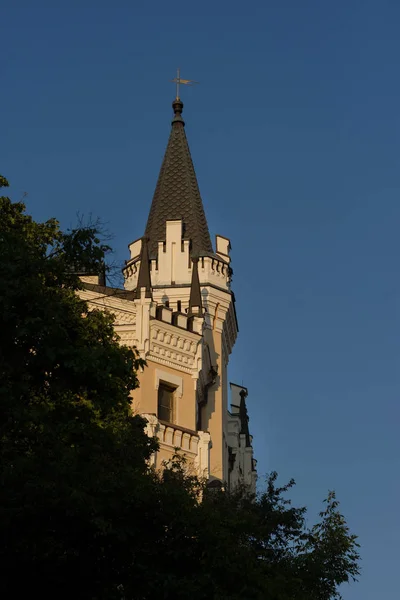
195,303
144,278
177,194
244,419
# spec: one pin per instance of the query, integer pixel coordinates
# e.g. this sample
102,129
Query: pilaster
143,308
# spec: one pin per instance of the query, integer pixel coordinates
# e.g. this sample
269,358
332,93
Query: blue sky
294,130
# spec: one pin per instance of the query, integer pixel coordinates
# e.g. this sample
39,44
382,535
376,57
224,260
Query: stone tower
178,309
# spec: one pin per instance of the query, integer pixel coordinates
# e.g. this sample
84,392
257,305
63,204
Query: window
166,395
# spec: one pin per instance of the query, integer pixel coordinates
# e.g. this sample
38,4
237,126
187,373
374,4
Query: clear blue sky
294,131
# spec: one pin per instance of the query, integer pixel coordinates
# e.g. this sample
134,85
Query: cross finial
180,81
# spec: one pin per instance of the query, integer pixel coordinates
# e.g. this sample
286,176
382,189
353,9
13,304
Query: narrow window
179,306
166,402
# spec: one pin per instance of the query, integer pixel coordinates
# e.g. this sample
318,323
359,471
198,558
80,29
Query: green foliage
3,182
81,512
72,454
239,546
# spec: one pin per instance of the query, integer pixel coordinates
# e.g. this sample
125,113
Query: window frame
173,381
165,386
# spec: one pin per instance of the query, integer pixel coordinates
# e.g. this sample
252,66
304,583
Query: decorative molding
172,355
169,363
175,347
124,318
195,444
124,310
167,377
126,338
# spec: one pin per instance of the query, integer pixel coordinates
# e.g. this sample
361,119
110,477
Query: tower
178,309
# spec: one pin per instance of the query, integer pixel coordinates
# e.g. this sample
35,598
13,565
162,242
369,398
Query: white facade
177,310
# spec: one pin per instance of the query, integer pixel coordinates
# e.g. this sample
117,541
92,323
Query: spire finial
177,104
178,80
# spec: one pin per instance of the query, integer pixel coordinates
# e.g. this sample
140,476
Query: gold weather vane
180,81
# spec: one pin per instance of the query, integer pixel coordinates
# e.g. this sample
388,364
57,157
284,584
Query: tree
81,512
275,555
234,545
72,456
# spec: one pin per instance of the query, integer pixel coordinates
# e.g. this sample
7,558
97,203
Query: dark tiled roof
144,278
195,290
177,194
104,290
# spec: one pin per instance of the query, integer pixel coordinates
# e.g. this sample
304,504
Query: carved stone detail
127,338
177,350
124,318
196,445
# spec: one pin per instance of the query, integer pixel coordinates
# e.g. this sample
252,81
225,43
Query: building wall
145,398
190,353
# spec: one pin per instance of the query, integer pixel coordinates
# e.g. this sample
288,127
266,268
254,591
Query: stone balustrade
194,445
